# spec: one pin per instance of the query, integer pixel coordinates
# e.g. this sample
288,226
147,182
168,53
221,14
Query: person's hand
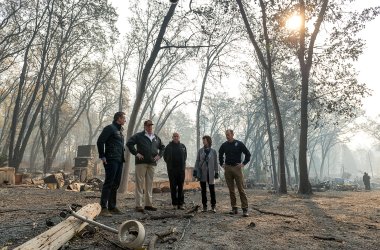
139,156
104,160
156,158
222,166
216,176
240,165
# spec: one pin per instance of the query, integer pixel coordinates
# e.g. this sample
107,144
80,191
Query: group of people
148,149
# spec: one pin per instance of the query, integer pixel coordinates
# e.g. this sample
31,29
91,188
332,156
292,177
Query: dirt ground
325,220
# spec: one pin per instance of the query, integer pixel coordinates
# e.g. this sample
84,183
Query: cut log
77,187
38,182
57,178
7,175
58,235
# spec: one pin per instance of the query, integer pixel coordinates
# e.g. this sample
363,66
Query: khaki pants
235,174
144,172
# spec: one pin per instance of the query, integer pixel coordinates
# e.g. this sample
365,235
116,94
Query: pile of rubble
53,181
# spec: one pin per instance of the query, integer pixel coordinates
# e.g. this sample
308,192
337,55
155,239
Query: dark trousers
204,194
176,180
113,171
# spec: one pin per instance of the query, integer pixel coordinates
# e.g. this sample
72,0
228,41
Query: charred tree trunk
140,93
199,105
41,87
36,146
269,132
266,62
304,186
305,56
295,169
288,171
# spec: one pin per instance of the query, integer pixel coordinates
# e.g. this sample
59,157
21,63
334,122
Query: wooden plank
58,235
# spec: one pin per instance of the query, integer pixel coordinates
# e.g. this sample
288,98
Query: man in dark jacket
149,149
175,157
230,159
111,151
367,182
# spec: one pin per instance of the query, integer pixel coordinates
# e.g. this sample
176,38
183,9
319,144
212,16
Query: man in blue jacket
111,151
148,149
230,153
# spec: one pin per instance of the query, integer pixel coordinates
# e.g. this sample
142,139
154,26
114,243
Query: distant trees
64,72
372,127
53,59
262,42
217,117
12,28
218,29
61,116
141,88
122,56
100,109
329,69
329,72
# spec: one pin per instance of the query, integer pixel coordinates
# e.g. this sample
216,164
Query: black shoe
204,209
105,213
234,210
180,207
115,211
213,209
150,208
140,209
245,212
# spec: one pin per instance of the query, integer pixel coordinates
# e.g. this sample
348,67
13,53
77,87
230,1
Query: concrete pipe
132,234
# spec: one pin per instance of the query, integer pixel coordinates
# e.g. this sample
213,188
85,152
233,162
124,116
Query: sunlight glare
293,23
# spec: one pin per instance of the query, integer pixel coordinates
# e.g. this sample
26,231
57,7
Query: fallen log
273,213
166,233
330,238
152,242
114,243
168,216
161,235
189,214
58,235
170,239
194,209
40,210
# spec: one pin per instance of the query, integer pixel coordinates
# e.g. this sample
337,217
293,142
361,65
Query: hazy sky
367,64
368,73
